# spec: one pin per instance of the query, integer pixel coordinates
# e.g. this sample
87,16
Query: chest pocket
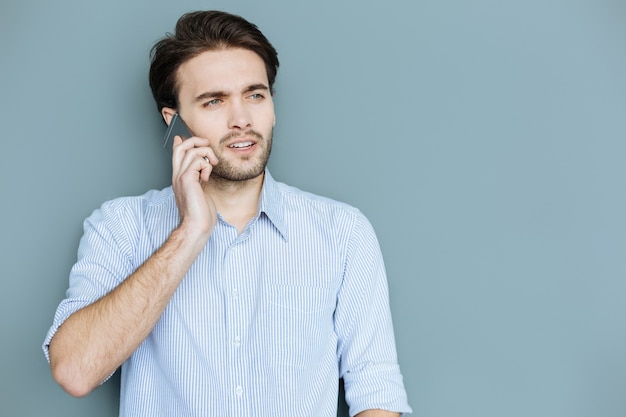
302,322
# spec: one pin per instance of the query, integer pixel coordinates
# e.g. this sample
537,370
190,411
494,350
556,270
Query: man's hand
377,413
192,163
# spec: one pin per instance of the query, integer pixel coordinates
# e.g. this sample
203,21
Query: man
227,293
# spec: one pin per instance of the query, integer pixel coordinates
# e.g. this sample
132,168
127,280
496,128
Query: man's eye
256,96
212,103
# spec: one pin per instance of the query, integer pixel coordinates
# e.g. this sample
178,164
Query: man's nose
239,117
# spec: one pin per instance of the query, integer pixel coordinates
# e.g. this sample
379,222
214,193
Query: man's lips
241,145
241,140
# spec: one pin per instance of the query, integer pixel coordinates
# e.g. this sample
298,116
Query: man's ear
168,113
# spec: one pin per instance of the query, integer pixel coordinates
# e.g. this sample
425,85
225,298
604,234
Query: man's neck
236,201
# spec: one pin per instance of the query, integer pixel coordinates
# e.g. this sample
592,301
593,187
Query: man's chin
233,174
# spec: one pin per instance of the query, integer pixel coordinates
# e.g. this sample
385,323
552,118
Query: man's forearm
95,341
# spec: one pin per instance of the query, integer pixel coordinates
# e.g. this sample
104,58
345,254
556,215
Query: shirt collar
271,203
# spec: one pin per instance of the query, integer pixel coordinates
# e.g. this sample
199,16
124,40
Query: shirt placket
234,272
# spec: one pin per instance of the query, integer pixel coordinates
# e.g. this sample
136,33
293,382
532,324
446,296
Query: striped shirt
264,323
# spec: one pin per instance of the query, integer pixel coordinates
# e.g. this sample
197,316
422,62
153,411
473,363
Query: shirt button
237,341
234,293
239,391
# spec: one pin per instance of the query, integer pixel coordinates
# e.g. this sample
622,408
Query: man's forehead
229,70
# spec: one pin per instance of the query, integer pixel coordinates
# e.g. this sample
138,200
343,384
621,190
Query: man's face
224,96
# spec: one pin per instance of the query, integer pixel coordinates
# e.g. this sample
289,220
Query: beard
234,170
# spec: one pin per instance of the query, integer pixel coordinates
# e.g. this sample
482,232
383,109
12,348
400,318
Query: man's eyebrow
255,87
209,95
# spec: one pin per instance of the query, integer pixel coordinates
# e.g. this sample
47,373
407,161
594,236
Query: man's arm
95,341
92,343
366,343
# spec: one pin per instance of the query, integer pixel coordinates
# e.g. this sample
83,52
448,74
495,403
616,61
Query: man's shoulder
150,199
306,214
319,211
153,204
295,196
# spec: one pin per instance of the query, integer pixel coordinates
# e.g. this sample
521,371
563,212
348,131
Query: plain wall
485,141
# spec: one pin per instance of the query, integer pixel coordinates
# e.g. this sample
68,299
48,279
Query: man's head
198,32
217,72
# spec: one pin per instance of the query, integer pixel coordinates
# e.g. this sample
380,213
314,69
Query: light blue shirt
264,323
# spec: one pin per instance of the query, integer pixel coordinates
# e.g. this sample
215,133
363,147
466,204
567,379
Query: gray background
484,140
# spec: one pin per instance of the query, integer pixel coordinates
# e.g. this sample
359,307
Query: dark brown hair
198,32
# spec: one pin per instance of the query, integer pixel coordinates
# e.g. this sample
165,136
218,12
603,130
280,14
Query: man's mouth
241,145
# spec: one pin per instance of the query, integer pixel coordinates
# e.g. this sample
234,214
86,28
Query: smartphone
176,128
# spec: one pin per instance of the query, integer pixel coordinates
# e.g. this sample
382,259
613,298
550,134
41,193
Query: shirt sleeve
104,261
366,343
